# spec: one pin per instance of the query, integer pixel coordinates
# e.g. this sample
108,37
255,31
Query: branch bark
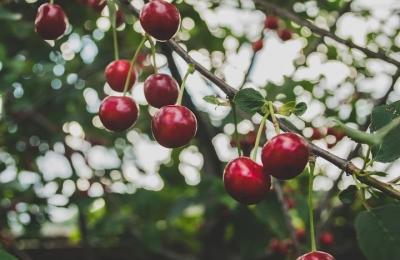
230,92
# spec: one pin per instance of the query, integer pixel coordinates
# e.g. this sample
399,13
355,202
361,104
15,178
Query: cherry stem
51,1
366,159
236,128
260,130
114,31
310,203
274,120
189,71
153,53
132,63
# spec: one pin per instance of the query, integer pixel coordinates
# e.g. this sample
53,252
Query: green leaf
216,100
7,15
249,100
389,149
300,109
287,108
348,195
378,232
6,256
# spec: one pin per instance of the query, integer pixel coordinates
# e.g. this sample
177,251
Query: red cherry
271,22
285,156
316,255
300,234
246,181
285,34
279,247
118,113
161,90
120,18
174,126
116,74
290,203
160,19
338,133
317,134
97,5
257,45
51,21
327,238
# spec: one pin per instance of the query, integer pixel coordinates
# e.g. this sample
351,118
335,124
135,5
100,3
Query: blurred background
69,188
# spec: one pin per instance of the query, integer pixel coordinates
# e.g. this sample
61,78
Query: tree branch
341,163
268,6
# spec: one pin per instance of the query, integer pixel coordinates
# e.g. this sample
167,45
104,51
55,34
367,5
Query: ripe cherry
285,34
316,255
174,126
246,181
271,22
317,134
116,74
97,5
51,21
279,247
257,45
160,19
118,113
300,234
161,90
290,203
285,156
327,238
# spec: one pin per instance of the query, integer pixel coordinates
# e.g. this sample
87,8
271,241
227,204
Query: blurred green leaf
378,232
6,256
348,195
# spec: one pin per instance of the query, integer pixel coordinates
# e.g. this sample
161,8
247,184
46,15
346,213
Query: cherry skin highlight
271,22
161,90
285,156
118,113
174,126
246,181
285,34
160,19
51,21
116,74
316,255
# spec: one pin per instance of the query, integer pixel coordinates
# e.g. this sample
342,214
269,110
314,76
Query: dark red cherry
97,5
285,34
174,126
279,247
51,21
160,19
161,90
246,181
118,113
316,255
271,22
116,74
327,238
300,234
317,134
120,18
257,45
285,156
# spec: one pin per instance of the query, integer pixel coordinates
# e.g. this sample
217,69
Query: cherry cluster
272,23
173,125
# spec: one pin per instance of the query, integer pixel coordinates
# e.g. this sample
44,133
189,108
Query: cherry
316,255
257,45
118,113
174,126
161,90
246,142
120,18
271,22
246,181
317,134
290,203
336,132
97,5
279,247
51,21
285,34
327,238
160,19
116,74
285,156
300,234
